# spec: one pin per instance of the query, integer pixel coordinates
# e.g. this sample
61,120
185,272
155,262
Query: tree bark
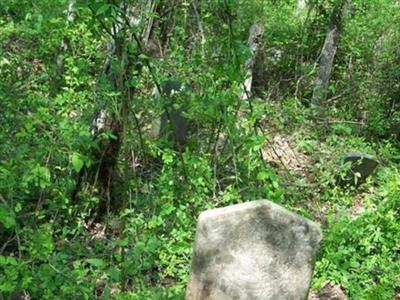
301,6
148,28
64,45
71,13
196,9
254,42
102,175
327,55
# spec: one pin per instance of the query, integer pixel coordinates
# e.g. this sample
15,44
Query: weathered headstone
256,250
361,166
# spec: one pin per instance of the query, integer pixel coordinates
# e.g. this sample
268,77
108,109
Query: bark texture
64,45
107,129
254,42
327,55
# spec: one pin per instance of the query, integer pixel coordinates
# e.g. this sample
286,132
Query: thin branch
334,98
149,27
12,238
340,122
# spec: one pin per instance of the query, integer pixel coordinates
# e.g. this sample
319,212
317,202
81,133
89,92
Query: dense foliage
103,213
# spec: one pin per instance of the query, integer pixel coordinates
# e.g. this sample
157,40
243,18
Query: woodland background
94,206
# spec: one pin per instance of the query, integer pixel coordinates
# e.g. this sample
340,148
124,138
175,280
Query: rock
332,292
254,250
313,296
21,296
329,292
362,164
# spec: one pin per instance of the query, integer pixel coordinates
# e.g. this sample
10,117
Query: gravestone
361,166
256,250
172,124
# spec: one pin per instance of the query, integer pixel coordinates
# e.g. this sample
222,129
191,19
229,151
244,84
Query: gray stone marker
362,164
174,126
252,251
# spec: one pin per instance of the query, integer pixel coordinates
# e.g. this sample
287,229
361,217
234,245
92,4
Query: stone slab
252,251
361,164
171,124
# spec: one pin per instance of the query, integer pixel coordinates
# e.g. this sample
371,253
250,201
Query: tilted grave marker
362,166
171,124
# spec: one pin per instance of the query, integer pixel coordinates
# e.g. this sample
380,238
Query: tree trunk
71,13
327,55
301,7
102,175
196,9
254,42
64,45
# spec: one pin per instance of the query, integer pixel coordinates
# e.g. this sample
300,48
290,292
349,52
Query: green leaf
43,176
114,273
122,242
8,260
96,262
167,209
6,217
102,9
143,56
77,162
262,175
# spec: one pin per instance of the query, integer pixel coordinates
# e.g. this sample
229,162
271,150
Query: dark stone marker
256,250
172,124
362,165
179,122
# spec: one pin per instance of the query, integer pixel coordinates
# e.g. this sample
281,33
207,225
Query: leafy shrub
362,252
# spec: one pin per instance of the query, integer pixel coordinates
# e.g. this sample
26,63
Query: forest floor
309,161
